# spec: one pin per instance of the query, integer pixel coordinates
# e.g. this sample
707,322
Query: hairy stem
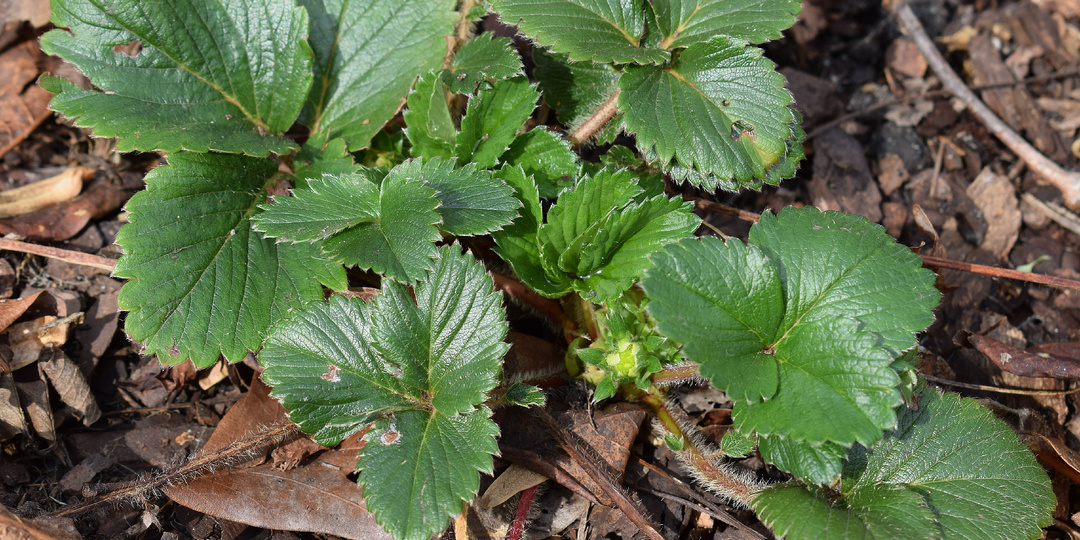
197,466
596,121
718,477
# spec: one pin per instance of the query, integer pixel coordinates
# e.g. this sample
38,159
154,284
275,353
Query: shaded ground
81,413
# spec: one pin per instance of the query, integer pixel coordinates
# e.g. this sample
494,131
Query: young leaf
818,464
545,156
492,118
802,326
685,22
952,464
420,370
472,201
517,243
218,76
202,283
387,226
483,56
599,237
720,108
598,30
366,57
430,128
576,89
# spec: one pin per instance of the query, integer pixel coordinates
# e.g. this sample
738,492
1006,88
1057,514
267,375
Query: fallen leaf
23,105
16,528
996,197
69,384
38,195
64,220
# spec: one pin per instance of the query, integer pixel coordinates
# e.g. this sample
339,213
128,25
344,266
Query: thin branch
1030,277
998,389
197,466
606,112
1066,181
66,255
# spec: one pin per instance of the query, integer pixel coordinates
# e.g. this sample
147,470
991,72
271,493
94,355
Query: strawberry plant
285,167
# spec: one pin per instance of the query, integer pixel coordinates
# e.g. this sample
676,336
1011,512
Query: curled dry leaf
12,526
32,197
69,383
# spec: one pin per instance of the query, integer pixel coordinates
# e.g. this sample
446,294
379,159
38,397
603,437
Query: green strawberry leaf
685,22
430,128
483,56
797,512
576,89
202,283
492,119
801,327
184,75
719,108
366,57
598,30
419,370
517,243
599,237
948,470
817,464
472,201
384,224
545,156
737,445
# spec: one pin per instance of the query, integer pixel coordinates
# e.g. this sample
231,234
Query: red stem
517,527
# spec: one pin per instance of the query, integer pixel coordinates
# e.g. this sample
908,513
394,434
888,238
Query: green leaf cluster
704,104
596,239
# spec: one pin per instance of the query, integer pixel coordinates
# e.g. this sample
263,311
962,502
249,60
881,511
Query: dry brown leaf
69,384
38,195
315,497
16,528
27,338
34,396
11,310
512,481
12,420
996,197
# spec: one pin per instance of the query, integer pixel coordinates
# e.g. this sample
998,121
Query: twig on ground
1066,181
998,389
197,466
66,255
1055,212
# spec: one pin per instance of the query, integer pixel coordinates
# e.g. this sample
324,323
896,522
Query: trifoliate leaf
600,238
366,57
577,89
949,470
598,30
797,512
492,118
517,243
430,128
801,327
184,75
685,22
720,108
386,226
483,56
472,201
547,157
419,370
202,283
817,464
